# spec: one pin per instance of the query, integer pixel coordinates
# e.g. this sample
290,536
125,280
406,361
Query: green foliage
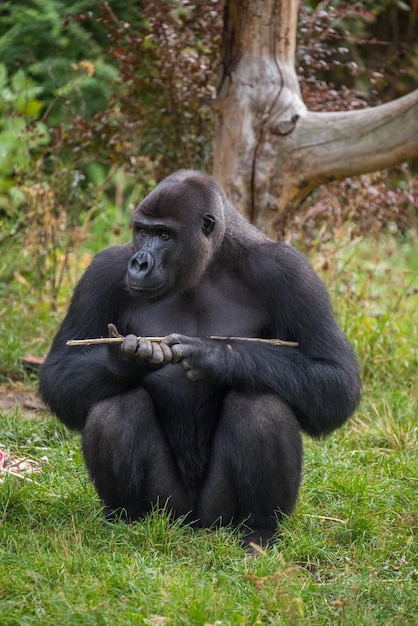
45,205
108,76
37,35
160,116
21,135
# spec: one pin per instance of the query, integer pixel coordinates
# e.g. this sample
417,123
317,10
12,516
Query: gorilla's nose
142,263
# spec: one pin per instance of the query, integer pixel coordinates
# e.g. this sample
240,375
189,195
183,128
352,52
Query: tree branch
332,146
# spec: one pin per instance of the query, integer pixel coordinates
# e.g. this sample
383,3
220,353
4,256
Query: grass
347,556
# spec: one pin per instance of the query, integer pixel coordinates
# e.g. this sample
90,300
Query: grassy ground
348,555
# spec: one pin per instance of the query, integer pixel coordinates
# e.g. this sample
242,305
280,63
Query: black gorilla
210,427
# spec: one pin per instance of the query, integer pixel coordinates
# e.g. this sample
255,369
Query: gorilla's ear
208,224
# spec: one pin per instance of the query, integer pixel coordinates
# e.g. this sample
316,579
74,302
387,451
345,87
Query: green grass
347,556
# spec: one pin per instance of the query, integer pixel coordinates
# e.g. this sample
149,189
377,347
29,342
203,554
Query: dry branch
107,340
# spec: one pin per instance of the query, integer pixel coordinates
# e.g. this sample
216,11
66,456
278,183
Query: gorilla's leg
129,459
255,467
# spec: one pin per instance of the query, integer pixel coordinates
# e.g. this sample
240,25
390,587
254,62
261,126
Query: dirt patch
26,398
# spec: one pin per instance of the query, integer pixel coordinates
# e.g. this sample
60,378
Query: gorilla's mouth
148,291
143,288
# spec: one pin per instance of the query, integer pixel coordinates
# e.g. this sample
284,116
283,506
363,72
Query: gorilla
203,421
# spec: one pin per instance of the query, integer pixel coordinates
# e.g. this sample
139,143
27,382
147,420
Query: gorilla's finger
157,355
172,339
144,349
168,355
129,344
113,331
179,351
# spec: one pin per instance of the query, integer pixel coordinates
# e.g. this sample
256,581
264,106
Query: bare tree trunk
270,151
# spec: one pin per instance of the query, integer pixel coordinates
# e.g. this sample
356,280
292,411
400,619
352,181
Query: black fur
209,426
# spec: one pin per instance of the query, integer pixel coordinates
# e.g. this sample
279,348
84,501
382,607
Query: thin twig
107,340
325,517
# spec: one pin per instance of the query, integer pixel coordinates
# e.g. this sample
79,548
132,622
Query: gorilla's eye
164,235
142,231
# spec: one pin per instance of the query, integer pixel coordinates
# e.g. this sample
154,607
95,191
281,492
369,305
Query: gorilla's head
177,230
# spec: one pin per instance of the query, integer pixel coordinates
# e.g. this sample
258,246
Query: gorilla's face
174,238
152,269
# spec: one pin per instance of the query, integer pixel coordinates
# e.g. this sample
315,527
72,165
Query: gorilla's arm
319,379
74,378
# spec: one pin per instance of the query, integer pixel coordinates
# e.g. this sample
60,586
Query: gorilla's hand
200,358
157,353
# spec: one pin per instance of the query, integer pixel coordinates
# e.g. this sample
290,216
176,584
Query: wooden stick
107,340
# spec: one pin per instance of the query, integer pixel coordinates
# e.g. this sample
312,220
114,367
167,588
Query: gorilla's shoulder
276,268
273,257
